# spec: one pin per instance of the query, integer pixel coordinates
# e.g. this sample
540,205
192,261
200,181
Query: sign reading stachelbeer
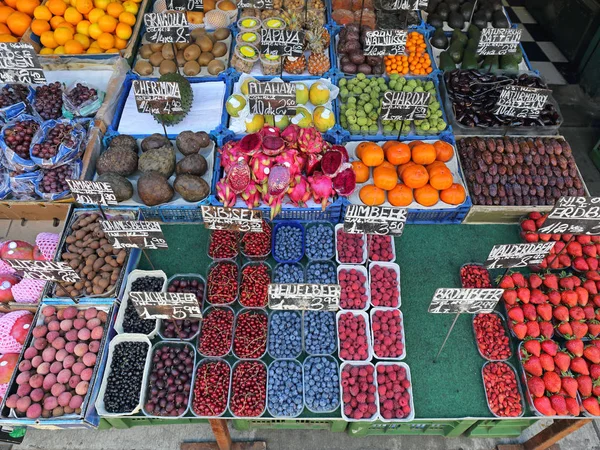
469,301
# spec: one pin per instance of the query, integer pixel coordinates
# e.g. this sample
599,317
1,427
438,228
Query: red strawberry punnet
492,341
559,404
502,391
533,366
533,346
544,406
569,385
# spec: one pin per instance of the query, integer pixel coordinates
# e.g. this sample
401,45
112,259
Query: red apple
7,281
38,255
21,328
8,362
16,250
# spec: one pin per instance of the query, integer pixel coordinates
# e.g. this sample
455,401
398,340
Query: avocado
456,52
469,60
509,63
499,20
496,5
466,9
479,20
453,4
443,11
431,6
446,62
439,39
488,12
435,20
473,32
459,36
471,45
491,62
456,21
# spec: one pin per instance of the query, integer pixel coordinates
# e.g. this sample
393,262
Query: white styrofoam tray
402,335
365,317
340,226
387,265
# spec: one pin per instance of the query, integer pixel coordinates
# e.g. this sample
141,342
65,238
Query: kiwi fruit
167,66
205,58
221,34
146,51
156,47
205,44
197,33
180,58
182,45
156,58
191,68
143,67
192,52
167,52
215,67
219,49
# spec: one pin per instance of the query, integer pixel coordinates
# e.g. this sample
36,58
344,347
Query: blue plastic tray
276,228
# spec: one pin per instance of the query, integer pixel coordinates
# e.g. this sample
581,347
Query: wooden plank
221,432
258,445
554,433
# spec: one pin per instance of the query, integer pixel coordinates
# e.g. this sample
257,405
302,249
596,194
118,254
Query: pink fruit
52,336
30,353
23,377
71,335
23,403
64,398
48,355
37,395
74,381
321,187
24,390
299,191
16,250
97,333
86,374
60,314
49,311
93,323
39,331
76,401
63,376
61,355
81,349
70,346
49,381
34,411
272,145
8,362
21,327
90,313
43,368
54,325
344,182
224,194
7,281
36,381
82,388
94,346
78,324
250,144
70,312
102,316
59,343
56,367
36,361
84,334
78,368
57,389
50,403
66,325
25,365
89,359
68,362
11,402
309,140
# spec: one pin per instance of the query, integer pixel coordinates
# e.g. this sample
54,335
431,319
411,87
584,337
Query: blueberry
322,385
319,332
321,273
288,273
285,334
288,243
285,388
319,242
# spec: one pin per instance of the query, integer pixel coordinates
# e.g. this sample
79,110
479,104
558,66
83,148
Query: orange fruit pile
84,26
415,62
15,18
405,173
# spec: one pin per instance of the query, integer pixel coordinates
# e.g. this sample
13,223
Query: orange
47,39
444,151
112,50
83,27
102,4
454,195
132,7
95,15
73,47
83,40
385,177
364,146
95,31
106,41
5,11
441,179
68,25
371,154
404,166
361,171
72,15
423,154
39,26
127,18
396,152
415,176
434,167
413,143
11,3
57,7
84,6
46,51
4,29
401,195
107,23
60,50
114,9
426,195
62,35
8,38
18,23
56,21
120,43
27,6
123,31
371,195
42,12
94,50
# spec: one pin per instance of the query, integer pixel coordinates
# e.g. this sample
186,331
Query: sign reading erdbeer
573,215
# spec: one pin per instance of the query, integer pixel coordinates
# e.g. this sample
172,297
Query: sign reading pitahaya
233,219
274,98
314,297
375,220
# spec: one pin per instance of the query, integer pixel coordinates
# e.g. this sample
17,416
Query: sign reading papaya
282,42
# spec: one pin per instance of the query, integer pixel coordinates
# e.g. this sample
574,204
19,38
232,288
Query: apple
21,328
8,362
7,281
16,250
38,255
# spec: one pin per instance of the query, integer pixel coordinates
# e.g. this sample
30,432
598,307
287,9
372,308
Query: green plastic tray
335,426
447,428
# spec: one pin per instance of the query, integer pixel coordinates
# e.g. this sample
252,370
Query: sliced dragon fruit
313,163
299,192
290,158
238,176
251,195
250,144
279,180
268,130
230,154
225,194
310,140
343,151
272,145
344,182
290,135
261,165
331,163
321,187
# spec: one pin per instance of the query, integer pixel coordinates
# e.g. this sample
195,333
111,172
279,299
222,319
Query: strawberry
506,283
576,313
592,354
516,314
550,347
584,385
533,329
580,264
528,225
589,313
596,388
544,407
590,250
569,298
597,247
564,260
545,237
547,362
574,248
559,404
566,237
566,283
579,366
510,296
592,263
520,330
593,275
551,281
595,239
536,215
561,313
523,294
533,366
536,386
584,239
562,361
552,382
519,279
576,281
590,286
529,311
533,347
546,329
583,296
596,342
594,328
544,311
595,371
592,406
573,406
559,246
575,346
565,329
538,297
580,329
596,300
535,281
554,297
531,237
569,385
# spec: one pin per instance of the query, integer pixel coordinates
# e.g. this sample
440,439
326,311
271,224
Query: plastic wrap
85,109
11,160
65,152
9,112
75,166
4,184
22,185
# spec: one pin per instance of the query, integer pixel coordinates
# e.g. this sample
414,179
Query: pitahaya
313,163
310,140
331,163
321,187
290,159
268,130
343,151
225,194
290,135
260,165
344,182
272,145
251,195
277,186
299,192
230,154
238,176
274,202
250,144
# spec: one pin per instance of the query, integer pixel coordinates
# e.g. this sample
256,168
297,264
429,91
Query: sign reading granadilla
185,5
20,64
234,219
282,42
167,28
469,301
375,220
385,42
272,98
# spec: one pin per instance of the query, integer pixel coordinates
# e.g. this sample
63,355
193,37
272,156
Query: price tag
518,255
282,42
314,297
20,64
385,42
185,5
272,98
499,41
167,28
375,220
521,101
407,5
234,219
157,97
574,215
404,105
92,192
470,301
134,234
166,305
44,270
258,4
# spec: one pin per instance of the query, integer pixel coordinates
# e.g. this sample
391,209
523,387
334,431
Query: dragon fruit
344,182
277,186
272,145
225,194
310,140
250,144
299,192
321,187
261,165
313,163
230,154
268,130
251,195
331,163
290,135
290,159
343,151
238,176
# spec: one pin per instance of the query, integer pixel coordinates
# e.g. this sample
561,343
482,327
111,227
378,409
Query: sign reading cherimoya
157,97
385,42
470,301
573,215
518,255
521,101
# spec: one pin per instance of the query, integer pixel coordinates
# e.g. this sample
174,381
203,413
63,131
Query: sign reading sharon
499,41
375,219
44,270
134,234
92,192
234,219
166,305
282,42
518,255
404,105
385,42
521,101
573,215
157,97
407,5
165,28
20,64
272,98
257,4
185,5
469,301
314,297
